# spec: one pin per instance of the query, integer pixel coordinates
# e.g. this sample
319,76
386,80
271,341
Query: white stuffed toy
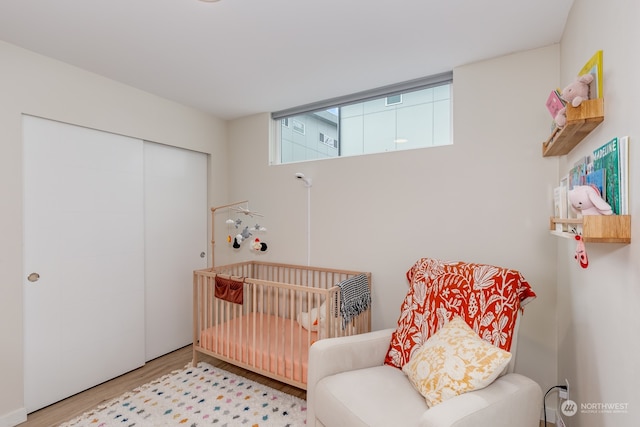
586,200
314,320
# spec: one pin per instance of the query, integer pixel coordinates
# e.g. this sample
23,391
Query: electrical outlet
564,394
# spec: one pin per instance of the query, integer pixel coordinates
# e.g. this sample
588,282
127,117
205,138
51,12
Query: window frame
385,92
389,104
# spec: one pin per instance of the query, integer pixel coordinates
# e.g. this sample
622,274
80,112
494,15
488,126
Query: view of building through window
414,119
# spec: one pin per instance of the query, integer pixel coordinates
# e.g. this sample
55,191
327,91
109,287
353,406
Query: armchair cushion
376,396
485,296
453,361
381,396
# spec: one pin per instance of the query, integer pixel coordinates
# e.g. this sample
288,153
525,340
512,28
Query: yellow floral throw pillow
453,361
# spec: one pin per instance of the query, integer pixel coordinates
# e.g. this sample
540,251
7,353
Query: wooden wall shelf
598,228
581,121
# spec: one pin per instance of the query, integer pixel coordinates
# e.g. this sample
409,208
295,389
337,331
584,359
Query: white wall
35,85
487,198
598,321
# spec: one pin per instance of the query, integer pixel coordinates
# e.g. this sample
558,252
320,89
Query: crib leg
194,362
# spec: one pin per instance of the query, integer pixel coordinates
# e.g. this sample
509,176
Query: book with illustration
623,160
560,206
554,103
594,67
597,178
578,173
607,157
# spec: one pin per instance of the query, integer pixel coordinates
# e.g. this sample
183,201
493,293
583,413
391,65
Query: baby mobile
238,233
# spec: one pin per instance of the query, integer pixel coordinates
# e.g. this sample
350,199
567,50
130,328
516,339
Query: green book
607,157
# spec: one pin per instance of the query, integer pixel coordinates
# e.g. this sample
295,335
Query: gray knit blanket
355,297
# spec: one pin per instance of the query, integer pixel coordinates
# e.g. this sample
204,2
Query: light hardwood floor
82,402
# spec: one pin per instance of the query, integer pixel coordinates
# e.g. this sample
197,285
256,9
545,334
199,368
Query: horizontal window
408,115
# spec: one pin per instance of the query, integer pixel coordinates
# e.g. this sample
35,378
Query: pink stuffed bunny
586,200
574,94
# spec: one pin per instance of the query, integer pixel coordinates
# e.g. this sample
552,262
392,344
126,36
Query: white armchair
348,384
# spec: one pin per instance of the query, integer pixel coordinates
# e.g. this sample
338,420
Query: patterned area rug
196,397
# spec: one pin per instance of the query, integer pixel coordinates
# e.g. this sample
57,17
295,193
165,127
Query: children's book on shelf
565,181
571,213
594,67
607,157
623,160
578,173
560,206
597,178
554,103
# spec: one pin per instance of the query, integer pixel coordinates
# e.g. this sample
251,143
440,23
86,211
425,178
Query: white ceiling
239,57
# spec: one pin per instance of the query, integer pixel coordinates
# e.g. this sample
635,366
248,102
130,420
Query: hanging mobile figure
581,253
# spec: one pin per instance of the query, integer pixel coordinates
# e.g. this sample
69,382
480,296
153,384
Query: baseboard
14,418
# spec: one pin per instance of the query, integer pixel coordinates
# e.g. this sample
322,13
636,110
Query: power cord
544,400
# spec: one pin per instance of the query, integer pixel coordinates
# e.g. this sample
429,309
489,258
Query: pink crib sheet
279,346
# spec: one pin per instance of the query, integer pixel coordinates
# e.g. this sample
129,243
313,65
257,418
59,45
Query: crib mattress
269,343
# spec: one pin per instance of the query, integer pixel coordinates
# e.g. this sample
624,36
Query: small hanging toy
259,246
229,223
241,237
581,253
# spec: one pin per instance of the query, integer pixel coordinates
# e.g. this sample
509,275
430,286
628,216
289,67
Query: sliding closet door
175,243
83,258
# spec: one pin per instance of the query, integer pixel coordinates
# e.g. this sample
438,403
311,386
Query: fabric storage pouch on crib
229,289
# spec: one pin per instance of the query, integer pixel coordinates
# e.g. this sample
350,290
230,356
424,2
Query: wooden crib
265,316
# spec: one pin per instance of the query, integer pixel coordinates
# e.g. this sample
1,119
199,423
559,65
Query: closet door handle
33,277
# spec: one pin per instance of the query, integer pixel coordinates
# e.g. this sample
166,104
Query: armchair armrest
334,355
512,399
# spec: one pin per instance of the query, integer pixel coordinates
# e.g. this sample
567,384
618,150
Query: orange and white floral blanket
486,296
